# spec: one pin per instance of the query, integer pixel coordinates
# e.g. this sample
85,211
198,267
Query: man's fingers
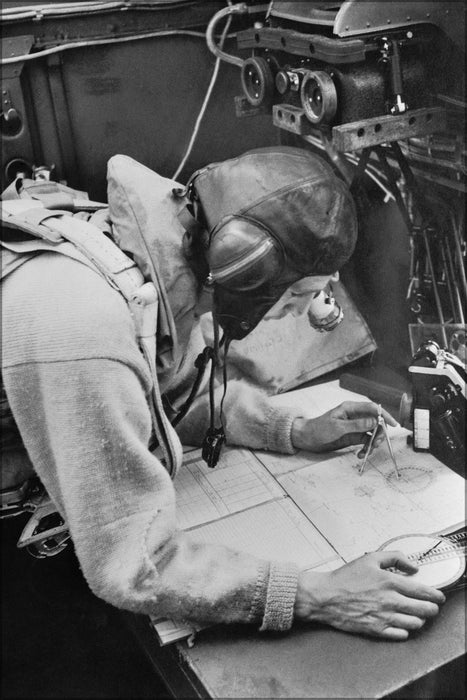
407,622
366,409
397,560
359,409
388,418
405,584
358,425
376,442
396,634
411,589
349,439
418,608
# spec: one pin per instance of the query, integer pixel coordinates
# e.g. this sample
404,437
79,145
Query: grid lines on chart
204,494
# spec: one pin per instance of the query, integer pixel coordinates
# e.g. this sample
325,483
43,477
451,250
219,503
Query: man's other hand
342,426
363,597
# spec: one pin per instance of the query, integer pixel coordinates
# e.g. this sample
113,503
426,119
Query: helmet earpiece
243,254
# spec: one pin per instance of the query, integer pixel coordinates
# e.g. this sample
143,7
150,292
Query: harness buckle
46,532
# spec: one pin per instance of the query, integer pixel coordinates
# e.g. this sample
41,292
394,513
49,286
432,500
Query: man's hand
344,425
364,598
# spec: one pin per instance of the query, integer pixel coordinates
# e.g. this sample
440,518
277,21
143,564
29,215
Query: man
267,230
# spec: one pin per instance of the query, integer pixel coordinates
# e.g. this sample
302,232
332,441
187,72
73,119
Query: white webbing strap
144,308
27,216
143,301
123,274
54,226
117,268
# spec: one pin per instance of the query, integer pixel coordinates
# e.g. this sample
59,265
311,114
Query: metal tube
435,288
452,275
240,9
448,279
458,249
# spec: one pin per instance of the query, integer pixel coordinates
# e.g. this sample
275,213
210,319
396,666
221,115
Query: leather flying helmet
261,222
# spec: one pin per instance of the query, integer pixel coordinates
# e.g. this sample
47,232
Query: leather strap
188,221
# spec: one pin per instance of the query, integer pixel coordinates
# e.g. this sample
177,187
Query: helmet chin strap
215,437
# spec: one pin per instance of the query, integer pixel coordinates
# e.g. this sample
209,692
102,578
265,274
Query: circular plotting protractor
412,479
441,562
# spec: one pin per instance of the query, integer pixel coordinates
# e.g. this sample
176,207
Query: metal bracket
244,109
15,46
292,119
322,48
371,132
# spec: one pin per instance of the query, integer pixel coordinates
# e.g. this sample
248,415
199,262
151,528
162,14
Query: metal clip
13,499
46,533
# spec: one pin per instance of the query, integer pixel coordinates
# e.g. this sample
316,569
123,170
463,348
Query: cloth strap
123,275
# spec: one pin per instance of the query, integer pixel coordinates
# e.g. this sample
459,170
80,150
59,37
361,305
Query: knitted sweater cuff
278,427
280,600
